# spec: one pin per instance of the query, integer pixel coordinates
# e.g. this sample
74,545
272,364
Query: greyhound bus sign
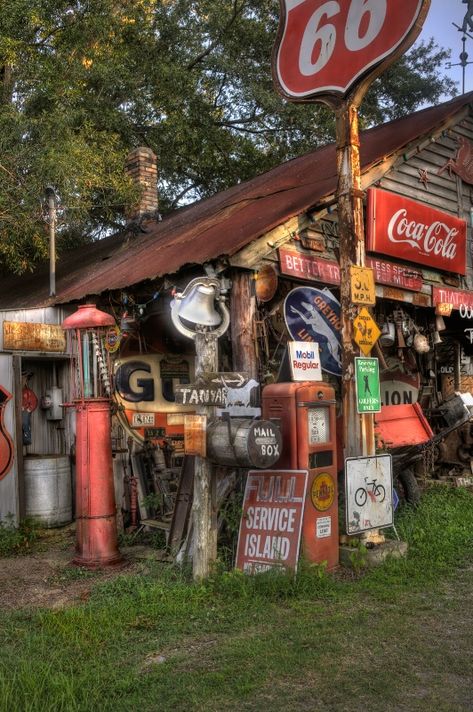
324,49
314,315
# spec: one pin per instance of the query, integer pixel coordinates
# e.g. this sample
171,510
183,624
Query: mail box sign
415,232
327,47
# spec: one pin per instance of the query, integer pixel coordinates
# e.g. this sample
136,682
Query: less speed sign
325,47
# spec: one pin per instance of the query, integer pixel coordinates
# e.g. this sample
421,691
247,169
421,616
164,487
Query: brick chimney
142,168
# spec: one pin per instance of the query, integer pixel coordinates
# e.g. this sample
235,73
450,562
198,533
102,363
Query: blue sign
314,315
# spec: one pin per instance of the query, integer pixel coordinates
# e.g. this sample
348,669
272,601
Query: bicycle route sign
368,493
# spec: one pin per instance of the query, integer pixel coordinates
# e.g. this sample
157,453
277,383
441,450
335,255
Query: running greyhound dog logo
314,315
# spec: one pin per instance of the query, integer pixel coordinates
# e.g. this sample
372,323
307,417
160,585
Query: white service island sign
305,361
368,493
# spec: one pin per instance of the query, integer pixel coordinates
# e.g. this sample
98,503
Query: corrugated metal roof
219,226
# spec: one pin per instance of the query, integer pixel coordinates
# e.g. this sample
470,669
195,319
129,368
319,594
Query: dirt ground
46,579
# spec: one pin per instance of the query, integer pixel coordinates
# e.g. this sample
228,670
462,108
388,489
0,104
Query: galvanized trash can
48,490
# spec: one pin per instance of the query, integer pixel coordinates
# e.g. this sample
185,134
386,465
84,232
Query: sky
438,25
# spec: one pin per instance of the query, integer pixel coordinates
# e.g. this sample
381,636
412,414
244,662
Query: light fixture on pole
96,527
200,313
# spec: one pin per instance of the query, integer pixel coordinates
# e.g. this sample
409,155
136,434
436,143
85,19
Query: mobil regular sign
415,232
271,520
325,48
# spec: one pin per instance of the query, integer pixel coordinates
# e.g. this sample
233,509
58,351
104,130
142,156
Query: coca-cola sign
415,232
325,48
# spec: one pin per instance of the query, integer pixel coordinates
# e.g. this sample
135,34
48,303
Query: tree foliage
85,81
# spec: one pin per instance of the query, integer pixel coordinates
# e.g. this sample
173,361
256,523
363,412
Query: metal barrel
48,490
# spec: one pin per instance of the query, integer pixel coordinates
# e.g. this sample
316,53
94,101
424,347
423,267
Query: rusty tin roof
218,226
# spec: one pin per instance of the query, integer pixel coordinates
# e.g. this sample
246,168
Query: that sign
202,393
304,266
362,285
369,493
314,315
456,297
271,520
143,420
395,275
304,361
26,336
415,232
365,331
195,431
326,48
368,396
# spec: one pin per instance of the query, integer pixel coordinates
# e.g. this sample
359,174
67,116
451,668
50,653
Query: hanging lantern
96,528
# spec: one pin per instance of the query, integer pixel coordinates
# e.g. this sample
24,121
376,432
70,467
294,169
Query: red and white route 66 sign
325,46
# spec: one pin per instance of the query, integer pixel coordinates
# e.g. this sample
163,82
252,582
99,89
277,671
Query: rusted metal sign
271,520
456,297
195,435
362,285
324,49
395,275
25,336
299,264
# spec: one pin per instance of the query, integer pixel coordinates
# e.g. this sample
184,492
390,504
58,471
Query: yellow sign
362,285
323,491
28,336
366,331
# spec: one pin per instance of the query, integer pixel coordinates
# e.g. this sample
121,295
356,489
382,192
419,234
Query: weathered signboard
26,336
455,297
217,389
362,285
415,232
195,435
304,266
369,493
395,275
271,520
325,48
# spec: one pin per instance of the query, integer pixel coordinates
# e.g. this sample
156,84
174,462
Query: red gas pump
306,414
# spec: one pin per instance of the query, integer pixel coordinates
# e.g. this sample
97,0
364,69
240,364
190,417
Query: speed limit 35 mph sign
324,47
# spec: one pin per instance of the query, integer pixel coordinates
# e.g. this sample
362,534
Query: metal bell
198,306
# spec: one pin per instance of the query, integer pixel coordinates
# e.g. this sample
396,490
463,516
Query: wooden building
265,237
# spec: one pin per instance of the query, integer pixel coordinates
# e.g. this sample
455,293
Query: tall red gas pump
306,414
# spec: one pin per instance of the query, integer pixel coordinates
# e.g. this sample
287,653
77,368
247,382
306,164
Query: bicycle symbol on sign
377,493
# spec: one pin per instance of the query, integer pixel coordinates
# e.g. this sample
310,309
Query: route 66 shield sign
326,47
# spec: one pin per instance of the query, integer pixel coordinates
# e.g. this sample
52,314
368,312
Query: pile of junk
428,429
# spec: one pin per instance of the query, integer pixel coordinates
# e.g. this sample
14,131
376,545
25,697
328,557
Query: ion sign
324,48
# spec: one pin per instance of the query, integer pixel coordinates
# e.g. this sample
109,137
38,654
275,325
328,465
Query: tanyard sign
325,48
271,520
304,361
415,232
314,315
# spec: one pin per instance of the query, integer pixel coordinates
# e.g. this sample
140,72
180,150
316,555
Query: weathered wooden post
196,305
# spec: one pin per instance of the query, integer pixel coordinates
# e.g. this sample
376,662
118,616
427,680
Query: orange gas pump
306,414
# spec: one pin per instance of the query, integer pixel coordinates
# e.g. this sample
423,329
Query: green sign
368,397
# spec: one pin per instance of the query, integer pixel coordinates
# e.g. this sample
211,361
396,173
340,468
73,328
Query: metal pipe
51,196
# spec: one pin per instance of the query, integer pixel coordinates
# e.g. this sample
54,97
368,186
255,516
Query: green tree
85,81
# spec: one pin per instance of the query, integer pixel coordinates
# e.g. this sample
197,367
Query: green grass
160,642
15,541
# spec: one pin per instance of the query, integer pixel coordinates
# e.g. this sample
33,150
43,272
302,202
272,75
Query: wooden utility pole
358,430
204,505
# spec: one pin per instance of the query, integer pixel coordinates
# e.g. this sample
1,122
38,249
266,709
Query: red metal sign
323,48
271,520
395,275
457,297
415,232
297,264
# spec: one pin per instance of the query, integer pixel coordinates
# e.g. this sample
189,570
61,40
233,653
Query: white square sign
368,493
305,361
